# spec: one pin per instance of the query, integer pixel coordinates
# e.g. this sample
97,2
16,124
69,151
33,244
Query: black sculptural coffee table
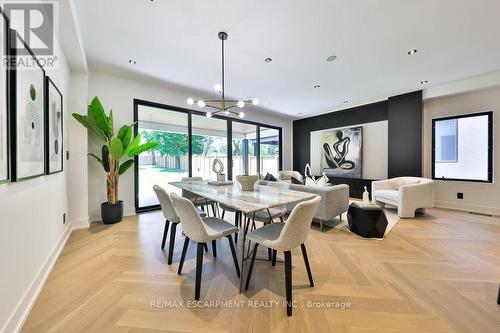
367,220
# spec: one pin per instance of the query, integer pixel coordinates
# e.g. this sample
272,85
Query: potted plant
117,154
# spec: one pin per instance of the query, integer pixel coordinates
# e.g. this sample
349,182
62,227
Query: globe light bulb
209,114
241,114
218,88
190,101
255,101
201,104
240,104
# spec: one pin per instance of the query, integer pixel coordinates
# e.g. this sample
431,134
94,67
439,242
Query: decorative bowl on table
247,182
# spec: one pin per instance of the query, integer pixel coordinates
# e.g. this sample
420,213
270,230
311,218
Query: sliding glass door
188,144
244,143
169,161
209,141
269,151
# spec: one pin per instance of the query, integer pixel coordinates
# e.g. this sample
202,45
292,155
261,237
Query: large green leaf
125,134
89,123
125,166
105,158
116,148
142,148
133,145
96,112
111,128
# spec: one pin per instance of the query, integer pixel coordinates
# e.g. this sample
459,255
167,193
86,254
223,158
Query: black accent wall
404,115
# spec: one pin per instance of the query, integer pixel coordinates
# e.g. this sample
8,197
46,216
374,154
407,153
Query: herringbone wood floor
437,273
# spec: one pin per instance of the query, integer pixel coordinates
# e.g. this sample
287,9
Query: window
208,143
189,142
463,147
269,151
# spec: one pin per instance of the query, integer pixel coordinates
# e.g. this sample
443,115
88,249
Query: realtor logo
34,22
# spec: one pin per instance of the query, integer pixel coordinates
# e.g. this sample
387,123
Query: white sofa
409,194
334,199
286,176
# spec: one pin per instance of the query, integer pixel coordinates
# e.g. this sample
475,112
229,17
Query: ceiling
176,41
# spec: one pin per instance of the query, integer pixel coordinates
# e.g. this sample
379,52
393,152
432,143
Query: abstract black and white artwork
29,115
54,128
4,125
342,152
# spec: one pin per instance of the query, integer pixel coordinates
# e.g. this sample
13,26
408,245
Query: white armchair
409,194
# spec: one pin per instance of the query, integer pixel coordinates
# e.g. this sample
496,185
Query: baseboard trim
81,223
20,314
468,208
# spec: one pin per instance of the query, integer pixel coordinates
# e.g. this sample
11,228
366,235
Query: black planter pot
112,213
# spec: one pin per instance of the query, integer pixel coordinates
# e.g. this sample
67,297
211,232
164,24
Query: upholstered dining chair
285,237
171,218
197,200
202,231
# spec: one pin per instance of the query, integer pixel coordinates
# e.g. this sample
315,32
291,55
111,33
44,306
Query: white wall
31,228
117,93
375,150
478,197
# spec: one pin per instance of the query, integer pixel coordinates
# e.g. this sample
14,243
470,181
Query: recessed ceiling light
132,61
411,52
331,58
316,86
268,59
345,102
424,82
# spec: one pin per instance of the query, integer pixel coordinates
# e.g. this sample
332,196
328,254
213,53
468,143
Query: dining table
246,202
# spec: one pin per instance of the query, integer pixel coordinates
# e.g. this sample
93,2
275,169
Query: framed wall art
28,116
4,100
53,128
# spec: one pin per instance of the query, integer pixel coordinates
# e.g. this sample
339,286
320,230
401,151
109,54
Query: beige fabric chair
409,194
171,217
285,237
286,176
197,200
202,231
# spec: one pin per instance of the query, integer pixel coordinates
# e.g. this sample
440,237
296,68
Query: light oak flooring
439,272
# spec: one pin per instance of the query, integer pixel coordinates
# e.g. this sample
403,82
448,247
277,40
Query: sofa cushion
389,195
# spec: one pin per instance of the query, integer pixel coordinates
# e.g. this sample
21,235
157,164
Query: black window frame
489,114
190,113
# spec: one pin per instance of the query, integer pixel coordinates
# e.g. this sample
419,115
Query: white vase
366,196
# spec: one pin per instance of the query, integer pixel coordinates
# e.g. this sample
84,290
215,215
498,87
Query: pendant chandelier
222,105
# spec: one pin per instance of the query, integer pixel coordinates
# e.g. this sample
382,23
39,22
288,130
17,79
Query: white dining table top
261,198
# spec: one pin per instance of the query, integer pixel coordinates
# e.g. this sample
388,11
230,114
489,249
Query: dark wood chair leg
237,219
288,282
206,247
306,262
183,255
165,231
269,254
223,213
199,266
173,229
213,210
233,252
252,262
281,219
214,248
274,257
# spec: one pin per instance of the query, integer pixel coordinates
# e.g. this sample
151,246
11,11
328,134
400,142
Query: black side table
367,220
